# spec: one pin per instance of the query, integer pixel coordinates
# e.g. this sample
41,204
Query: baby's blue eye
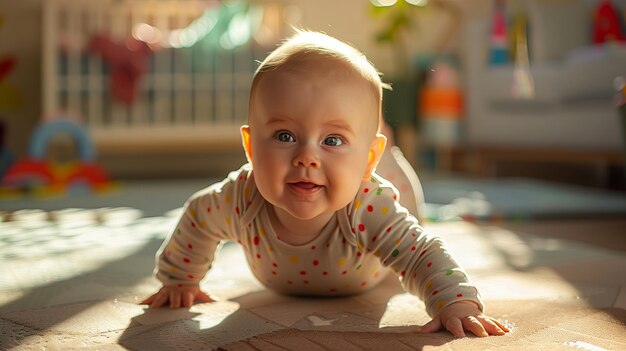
333,141
285,137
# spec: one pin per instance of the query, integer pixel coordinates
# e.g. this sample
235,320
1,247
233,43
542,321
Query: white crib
189,97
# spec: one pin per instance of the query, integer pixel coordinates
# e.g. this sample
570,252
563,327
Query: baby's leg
394,167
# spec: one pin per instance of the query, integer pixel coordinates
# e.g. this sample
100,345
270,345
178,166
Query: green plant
399,18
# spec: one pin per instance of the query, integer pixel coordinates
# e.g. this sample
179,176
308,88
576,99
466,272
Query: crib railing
186,95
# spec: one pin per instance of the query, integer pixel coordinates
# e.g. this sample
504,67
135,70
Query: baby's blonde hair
304,44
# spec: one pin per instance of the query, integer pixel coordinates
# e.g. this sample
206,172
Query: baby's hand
461,316
177,296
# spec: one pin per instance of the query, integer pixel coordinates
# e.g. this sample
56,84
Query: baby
310,213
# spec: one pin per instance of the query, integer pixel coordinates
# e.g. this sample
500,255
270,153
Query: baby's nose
306,157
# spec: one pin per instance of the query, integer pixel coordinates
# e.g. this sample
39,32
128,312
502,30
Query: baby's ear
245,140
375,153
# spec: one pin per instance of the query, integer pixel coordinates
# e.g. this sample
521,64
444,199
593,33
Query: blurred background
157,89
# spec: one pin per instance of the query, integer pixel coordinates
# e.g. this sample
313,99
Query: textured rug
72,281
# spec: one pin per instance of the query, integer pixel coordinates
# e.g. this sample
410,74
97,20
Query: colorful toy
39,175
606,26
499,53
441,106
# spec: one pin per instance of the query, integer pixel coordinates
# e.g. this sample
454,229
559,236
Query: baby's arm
425,267
209,217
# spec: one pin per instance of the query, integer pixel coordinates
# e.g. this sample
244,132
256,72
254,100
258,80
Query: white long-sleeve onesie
352,253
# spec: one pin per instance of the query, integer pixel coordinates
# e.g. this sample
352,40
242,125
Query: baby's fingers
431,327
175,298
148,300
454,326
158,299
188,299
202,297
492,326
470,323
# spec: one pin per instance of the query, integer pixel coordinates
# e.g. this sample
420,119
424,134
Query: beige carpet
72,282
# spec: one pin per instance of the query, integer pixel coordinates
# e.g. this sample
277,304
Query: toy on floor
44,173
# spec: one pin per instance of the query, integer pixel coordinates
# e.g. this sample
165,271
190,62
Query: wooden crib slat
183,89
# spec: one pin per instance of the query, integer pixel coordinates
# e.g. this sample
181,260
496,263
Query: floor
72,279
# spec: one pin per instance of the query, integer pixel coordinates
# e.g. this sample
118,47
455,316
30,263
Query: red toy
606,24
127,62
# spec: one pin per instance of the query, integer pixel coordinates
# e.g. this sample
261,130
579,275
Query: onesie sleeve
425,268
210,216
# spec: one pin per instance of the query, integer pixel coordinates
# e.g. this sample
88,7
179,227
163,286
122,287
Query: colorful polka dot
370,208
316,262
384,210
293,259
341,262
395,253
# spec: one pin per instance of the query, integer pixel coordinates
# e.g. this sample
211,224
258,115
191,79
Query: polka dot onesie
352,254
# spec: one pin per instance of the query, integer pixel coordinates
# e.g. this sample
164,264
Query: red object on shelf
606,26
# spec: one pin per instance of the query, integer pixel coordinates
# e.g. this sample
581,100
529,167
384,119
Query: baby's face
311,131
